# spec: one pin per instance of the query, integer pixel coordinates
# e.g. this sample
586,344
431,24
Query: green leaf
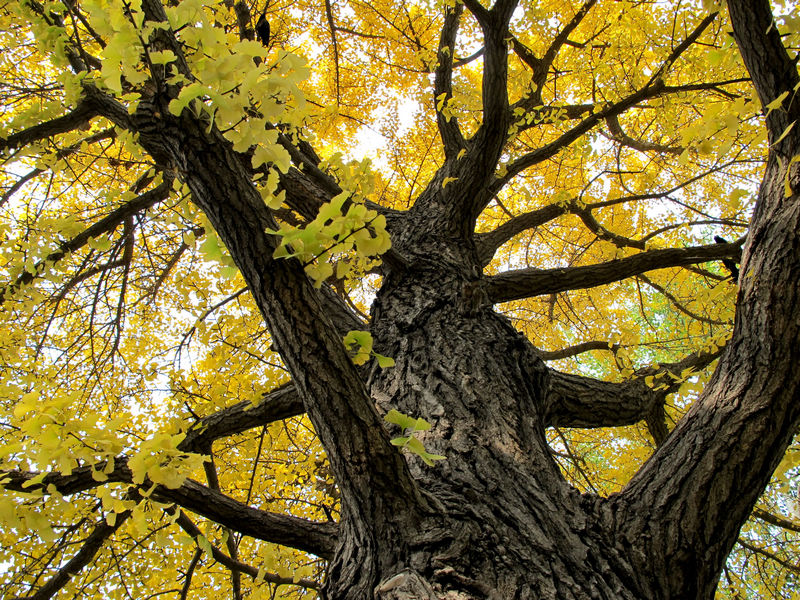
383,361
397,418
162,57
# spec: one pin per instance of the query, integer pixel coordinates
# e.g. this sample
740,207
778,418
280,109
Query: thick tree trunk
503,524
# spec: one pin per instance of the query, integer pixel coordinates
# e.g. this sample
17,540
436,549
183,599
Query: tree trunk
502,523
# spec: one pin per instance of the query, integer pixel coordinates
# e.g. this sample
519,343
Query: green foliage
408,441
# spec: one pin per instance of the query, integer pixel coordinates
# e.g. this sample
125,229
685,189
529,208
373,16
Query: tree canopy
346,310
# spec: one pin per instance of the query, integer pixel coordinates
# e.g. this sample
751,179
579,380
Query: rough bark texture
496,520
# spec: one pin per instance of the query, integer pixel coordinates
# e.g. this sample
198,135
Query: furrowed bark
449,130
577,401
372,476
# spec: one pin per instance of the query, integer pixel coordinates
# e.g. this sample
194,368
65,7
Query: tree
186,291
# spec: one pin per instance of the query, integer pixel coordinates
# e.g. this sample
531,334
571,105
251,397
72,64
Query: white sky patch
373,144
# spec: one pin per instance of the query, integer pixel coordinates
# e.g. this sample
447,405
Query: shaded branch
79,116
236,566
89,549
576,349
243,18
541,66
527,283
776,520
282,403
488,243
488,141
316,538
479,12
578,401
623,138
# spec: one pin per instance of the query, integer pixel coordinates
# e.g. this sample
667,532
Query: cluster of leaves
408,441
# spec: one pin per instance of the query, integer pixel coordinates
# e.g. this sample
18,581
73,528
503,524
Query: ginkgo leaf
448,180
777,103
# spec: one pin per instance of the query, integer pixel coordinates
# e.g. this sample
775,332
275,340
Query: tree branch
772,71
107,224
575,349
315,538
236,566
623,138
449,130
282,403
578,401
488,243
83,112
89,548
776,520
527,283
541,66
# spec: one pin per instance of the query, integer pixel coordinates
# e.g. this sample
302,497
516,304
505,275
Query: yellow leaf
777,103
448,180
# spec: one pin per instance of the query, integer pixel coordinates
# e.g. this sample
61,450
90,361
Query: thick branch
79,116
443,86
279,404
372,475
316,538
488,243
526,283
772,71
576,349
577,401
699,488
